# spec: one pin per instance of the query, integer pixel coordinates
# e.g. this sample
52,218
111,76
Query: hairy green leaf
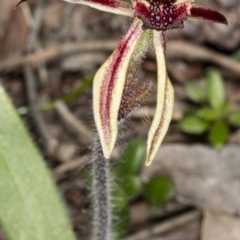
30,206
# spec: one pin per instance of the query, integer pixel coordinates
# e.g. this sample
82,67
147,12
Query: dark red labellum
162,15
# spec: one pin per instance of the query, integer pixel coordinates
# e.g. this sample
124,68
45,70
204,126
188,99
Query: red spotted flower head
162,15
114,95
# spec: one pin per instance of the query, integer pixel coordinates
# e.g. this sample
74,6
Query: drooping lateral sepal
165,101
112,6
207,14
108,86
160,123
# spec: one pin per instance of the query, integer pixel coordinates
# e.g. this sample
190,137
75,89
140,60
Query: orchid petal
165,101
112,6
108,86
198,12
132,97
143,47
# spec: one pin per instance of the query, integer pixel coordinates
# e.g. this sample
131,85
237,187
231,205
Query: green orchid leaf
234,119
131,160
215,89
158,191
193,125
195,92
218,134
30,206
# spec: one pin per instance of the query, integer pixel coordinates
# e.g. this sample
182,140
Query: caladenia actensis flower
115,93
113,87
114,81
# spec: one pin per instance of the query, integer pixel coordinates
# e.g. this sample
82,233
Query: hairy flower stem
102,209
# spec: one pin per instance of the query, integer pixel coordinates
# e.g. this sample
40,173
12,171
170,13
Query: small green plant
213,113
116,94
127,186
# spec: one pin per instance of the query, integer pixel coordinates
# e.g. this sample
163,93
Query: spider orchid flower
113,92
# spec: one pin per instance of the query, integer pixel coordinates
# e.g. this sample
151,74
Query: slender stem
102,218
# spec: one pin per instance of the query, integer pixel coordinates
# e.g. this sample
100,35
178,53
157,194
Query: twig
30,80
32,41
34,24
50,54
165,226
66,24
176,49
74,124
140,212
49,141
78,163
190,51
